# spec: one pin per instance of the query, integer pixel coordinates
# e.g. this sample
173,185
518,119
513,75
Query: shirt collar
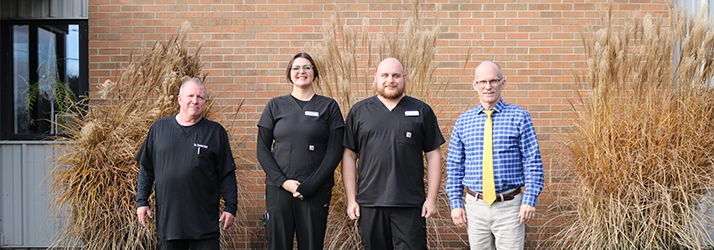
497,108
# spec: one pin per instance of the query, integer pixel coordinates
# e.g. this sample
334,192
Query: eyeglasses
306,67
490,82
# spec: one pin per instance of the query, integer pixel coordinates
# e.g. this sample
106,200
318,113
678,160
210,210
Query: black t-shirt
187,168
301,136
389,145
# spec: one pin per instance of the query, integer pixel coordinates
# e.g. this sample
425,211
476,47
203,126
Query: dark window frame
7,111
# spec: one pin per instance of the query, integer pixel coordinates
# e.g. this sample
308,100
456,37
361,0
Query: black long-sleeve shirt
192,169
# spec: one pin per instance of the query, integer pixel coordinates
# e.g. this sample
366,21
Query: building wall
249,42
25,220
38,9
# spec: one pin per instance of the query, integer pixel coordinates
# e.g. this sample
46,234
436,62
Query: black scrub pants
288,216
386,228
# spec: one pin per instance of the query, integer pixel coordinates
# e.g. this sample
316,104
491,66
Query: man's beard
393,95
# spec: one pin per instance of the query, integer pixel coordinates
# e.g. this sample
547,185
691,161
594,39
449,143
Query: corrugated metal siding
695,6
24,214
42,9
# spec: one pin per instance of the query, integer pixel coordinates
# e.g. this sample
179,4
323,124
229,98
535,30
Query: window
44,64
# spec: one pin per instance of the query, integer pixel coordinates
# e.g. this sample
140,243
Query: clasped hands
291,186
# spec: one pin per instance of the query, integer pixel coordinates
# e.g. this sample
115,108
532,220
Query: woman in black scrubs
299,147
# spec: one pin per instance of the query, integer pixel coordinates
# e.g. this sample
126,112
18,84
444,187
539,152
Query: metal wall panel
24,214
693,7
11,160
43,9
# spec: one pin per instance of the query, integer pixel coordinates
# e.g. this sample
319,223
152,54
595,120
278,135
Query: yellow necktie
489,187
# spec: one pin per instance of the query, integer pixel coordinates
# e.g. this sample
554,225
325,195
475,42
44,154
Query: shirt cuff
142,204
529,199
456,203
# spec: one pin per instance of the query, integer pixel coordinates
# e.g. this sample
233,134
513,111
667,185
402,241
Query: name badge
312,113
411,113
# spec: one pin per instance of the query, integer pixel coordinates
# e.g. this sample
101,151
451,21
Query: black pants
288,216
383,228
202,244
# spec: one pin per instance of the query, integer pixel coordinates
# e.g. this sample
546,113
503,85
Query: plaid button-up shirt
516,155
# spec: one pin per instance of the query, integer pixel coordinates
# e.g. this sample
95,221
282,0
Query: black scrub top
301,136
389,145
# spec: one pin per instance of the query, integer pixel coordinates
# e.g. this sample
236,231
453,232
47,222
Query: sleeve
144,156
227,186
336,119
144,184
145,179
265,158
432,134
350,138
531,160
229,192
455,169
267,119
266,124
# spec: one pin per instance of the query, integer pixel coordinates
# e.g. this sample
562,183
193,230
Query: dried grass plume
642,148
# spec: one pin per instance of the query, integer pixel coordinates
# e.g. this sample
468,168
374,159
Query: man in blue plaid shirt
517,167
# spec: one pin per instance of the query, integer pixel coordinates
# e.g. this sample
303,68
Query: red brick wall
249,42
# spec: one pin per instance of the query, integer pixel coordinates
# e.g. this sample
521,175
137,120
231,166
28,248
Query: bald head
390,79
390,63
489,66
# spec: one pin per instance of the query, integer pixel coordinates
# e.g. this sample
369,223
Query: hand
527,213
227,219
291,186
142,212
428,209
459,217
353,210
298,195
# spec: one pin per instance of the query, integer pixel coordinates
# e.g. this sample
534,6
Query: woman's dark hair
316,73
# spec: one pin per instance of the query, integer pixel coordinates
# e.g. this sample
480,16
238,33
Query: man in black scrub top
189,157
388,133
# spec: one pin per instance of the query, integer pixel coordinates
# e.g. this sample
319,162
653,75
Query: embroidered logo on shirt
198,147
411,113
312,113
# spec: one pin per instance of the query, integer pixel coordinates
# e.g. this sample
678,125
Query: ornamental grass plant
349,56
94,180
642,146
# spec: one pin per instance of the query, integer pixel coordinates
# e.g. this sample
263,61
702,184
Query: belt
499,197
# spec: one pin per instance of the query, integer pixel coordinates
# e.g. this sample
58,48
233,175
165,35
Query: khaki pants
496,226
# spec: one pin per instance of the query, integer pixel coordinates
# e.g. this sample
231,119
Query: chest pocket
315,155
409,133
206,156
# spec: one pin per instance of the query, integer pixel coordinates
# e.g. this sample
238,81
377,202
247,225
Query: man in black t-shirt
189,157
388,133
